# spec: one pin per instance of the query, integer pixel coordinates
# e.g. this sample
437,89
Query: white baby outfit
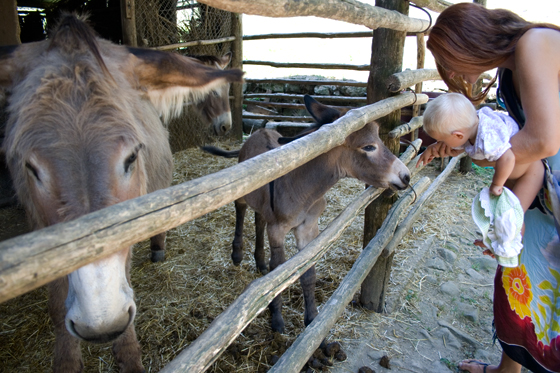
492,139
500,218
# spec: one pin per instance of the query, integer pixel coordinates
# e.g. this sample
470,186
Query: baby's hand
425,158
496,189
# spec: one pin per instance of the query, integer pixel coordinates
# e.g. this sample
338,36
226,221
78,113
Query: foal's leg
237,244
127,352
276,234
157,244
305,233
67,354
260,255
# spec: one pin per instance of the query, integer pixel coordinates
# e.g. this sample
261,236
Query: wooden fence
36,258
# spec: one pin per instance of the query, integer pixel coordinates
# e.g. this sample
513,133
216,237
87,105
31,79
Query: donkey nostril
406,179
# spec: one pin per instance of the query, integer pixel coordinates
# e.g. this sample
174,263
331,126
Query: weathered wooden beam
331,66
320,98
346,83
196,42
34,259
350,11
237,88
435,5
309,340
128,22
320,35
399,81
279,117
402,80
387,52
403,129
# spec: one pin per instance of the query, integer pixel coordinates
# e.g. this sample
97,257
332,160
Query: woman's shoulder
539,38
537,56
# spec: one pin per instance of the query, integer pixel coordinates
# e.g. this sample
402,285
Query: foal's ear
322,113
157,70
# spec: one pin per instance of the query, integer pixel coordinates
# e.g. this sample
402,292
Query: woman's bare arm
537,67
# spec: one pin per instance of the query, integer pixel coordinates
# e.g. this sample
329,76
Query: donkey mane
71,32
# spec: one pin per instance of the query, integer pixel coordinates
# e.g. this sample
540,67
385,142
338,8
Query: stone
471,314
448,338
484,263
474,274
436,263
450,288
447,255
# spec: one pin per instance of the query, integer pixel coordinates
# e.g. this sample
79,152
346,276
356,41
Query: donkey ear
170,79
157,70
323,114
225,60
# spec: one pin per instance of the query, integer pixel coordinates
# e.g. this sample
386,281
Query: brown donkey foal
83,133
298,197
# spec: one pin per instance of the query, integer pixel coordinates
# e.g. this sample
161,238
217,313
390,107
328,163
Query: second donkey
298,197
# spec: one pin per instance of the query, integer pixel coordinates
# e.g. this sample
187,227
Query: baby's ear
459,134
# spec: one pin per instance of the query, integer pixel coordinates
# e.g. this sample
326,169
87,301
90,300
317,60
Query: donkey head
364,156
215,109
84,133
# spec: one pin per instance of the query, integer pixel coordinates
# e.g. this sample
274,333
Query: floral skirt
527,297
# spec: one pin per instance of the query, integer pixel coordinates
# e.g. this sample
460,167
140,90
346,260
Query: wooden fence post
237,88
386,59
9,25
420,57
128,21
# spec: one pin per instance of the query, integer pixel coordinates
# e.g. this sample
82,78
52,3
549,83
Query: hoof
236,259
158,255
263,271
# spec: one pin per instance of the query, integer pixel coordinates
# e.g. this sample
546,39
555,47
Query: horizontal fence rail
347,83
350,11
34,259
319,35
331,66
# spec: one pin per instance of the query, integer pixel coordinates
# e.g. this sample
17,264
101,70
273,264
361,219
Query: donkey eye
128,163
32,170
369,148
216,93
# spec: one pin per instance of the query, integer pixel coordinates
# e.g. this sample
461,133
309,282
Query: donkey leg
157,245
260,256
277,256
237,244
128,353
67,354
305,233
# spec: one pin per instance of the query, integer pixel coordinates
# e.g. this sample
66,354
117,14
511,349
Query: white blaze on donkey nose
107,307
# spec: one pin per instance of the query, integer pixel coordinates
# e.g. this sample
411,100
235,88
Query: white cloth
500,219
492,139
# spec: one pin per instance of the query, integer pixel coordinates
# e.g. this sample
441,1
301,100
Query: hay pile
179,298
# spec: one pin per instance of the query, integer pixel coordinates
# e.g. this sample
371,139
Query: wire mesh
166,22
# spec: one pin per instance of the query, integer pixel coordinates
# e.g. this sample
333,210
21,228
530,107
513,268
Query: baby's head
449,113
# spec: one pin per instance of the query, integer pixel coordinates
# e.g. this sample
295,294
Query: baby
451,119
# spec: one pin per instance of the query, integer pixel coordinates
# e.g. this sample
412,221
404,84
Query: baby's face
454,140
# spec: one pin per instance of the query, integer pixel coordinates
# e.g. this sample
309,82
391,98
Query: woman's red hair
468,38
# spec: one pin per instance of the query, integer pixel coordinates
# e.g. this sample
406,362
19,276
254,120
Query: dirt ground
438,311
